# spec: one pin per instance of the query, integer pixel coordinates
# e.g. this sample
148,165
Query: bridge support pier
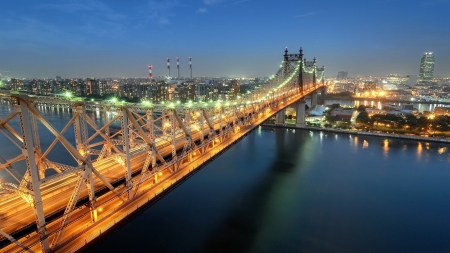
323,91
300,118
280,117
313,99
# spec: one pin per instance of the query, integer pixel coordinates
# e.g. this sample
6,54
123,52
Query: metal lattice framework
133,144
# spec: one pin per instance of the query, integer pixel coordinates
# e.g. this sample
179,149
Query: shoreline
384,100
395,136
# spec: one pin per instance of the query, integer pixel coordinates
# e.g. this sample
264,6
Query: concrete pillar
280,118
313,99
323,91
300,119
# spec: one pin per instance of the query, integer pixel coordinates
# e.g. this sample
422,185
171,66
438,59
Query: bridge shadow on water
240,230
235,207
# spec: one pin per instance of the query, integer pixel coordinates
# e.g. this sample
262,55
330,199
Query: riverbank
333,130
385,100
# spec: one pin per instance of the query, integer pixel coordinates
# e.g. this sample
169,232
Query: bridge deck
224,129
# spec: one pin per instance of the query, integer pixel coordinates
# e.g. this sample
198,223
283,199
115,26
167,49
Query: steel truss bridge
113,170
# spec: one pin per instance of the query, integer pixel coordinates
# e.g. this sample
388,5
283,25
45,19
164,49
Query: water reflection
385,147
365,144
419,150
282,190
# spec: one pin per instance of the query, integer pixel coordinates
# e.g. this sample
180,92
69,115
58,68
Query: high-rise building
426,69
342,75
95,86
412,81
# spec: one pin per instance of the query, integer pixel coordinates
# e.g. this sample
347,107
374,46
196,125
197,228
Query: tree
330,119
422,122
377,118
334,106
362,108
411,120
363,118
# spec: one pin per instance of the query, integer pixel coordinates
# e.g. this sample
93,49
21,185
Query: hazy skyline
224,37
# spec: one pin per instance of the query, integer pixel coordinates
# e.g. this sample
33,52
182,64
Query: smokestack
168,65
178,67
150,75
190,66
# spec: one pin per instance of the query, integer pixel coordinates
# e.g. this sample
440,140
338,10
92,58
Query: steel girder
185,130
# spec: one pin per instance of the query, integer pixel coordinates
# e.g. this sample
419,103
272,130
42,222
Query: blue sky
99,38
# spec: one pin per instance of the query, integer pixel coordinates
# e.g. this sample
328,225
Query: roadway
15,213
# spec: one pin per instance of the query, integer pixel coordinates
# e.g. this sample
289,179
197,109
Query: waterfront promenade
334,130
385,100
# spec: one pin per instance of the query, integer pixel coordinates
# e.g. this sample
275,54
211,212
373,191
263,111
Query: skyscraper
342,75
426,69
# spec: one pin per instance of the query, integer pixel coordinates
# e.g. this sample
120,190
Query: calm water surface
284,190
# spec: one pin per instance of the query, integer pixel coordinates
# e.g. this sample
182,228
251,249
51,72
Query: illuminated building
342,75
426,69
439,110
96,87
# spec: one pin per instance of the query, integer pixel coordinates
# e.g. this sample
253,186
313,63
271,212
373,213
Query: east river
286,190
281,190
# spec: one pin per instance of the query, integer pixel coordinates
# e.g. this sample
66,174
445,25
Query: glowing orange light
81,150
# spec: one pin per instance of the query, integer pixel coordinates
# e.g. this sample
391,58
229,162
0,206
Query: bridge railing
152,139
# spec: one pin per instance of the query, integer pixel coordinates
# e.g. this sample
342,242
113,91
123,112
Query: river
281,190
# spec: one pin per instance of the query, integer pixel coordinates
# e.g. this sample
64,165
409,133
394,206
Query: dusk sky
94,38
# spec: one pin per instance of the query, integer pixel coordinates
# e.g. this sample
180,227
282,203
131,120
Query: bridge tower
314,94
154,142
290,62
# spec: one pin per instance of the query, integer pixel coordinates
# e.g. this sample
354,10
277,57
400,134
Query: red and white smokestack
168,65
178,67
150,75
190,65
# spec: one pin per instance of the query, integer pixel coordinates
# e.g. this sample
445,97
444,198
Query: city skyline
224,37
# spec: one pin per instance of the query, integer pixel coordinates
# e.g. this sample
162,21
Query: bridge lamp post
248,94
68,95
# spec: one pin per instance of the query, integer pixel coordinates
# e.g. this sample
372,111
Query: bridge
109,172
